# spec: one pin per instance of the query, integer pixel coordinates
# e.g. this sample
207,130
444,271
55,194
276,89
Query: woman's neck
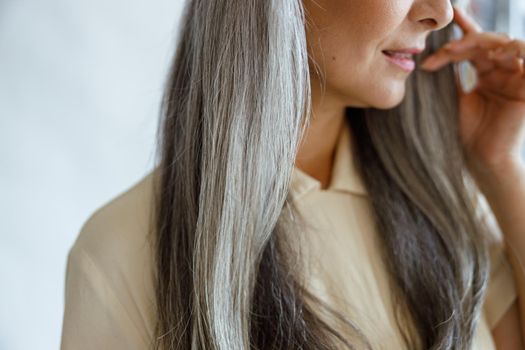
317,150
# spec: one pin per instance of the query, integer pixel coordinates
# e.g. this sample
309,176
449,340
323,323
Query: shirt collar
345,176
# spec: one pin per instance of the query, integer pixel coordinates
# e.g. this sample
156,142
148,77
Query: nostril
432,23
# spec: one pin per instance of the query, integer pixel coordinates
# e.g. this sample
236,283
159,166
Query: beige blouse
109,296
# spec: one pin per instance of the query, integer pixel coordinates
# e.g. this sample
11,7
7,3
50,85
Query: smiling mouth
401,59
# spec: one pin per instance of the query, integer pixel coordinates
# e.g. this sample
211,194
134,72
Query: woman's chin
389,98
383,97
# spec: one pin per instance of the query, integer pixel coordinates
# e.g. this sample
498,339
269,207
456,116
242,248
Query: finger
509,63
482,40
443,59
465,22
484,65
503,83
507,59
480,60
479,43
516,47
510,56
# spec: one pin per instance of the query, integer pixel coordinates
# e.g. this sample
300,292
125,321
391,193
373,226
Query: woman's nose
434,14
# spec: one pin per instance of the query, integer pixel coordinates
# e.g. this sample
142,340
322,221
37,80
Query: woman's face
347,39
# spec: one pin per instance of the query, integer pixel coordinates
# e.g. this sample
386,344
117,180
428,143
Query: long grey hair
235,107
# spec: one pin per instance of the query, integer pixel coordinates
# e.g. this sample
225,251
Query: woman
314,191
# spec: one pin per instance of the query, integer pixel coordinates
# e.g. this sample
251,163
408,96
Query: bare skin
345,38
492,129
318,146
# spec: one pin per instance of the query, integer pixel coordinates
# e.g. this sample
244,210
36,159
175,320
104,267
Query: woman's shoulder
120,226
502,290
109,283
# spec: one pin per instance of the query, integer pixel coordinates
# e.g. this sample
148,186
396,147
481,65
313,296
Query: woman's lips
401,59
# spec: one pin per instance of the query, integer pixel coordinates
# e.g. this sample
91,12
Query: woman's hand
492,129
492,116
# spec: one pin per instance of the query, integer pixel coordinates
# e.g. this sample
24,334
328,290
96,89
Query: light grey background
80,84
79,89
